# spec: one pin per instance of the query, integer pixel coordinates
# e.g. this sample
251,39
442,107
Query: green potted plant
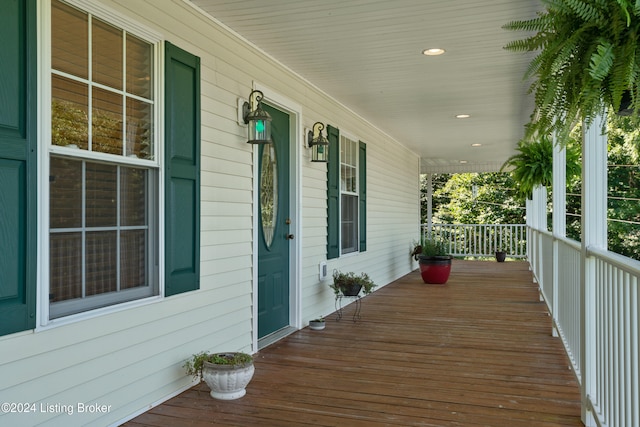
434,260
350,284
503,238
226,374
585,61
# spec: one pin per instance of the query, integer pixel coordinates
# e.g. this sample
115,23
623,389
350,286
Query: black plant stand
356,314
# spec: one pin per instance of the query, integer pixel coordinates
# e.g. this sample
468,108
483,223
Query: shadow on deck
475,352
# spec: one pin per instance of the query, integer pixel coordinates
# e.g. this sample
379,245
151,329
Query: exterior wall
130,357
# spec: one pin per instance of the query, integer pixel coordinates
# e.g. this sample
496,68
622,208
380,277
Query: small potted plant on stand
435,261
350,284
226,374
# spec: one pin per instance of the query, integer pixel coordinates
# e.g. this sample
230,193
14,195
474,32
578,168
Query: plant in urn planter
226,374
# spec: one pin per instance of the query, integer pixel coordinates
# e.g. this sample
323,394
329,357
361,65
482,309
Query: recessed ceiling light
434,51
463,116
476,145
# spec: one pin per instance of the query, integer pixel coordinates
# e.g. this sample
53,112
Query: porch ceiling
368,55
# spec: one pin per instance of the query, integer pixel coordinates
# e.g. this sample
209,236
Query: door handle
289,236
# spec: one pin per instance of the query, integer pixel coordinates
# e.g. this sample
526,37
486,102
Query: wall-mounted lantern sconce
318,143
259,121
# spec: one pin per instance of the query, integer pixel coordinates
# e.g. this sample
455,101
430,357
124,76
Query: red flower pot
435,270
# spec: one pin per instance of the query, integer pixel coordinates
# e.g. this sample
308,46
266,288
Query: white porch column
559,226
540,208
594,234
559,191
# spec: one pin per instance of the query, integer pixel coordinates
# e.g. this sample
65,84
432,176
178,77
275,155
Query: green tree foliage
438,181
574,207
473,198
623,210
623,207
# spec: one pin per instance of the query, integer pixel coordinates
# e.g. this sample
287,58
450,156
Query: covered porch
476,351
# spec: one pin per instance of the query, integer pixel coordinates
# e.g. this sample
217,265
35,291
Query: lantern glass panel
259,131
320,153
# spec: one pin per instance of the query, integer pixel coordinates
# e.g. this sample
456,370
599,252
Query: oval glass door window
269,193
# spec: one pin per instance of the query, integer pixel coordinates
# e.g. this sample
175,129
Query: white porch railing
481,240
597,321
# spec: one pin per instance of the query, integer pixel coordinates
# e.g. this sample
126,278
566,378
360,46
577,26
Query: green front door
274,225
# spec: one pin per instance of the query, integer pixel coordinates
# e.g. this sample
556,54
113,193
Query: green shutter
18,166
333,193
182,166
362,211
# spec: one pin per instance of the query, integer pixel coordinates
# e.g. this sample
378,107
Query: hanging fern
533,164
587,56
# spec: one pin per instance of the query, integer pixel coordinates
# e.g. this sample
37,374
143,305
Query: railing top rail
622,262
474,225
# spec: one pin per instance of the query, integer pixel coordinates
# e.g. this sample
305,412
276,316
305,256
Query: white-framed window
103,170
349,195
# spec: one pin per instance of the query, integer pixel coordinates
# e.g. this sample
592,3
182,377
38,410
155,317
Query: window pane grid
103,209
109,66
120,123
348,166
102,254
349,195
349,223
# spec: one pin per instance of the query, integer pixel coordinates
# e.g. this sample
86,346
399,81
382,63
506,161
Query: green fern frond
524,45
602,61
564,56
540,23
585,11
626,6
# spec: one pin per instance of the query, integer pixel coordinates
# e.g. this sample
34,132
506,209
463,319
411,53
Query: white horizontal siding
132,358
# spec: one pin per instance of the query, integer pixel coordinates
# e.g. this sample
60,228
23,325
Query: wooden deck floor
475,352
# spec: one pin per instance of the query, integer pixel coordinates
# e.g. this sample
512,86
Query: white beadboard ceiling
367,54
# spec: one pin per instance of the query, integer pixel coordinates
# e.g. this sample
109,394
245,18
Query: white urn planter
227,382
226,374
